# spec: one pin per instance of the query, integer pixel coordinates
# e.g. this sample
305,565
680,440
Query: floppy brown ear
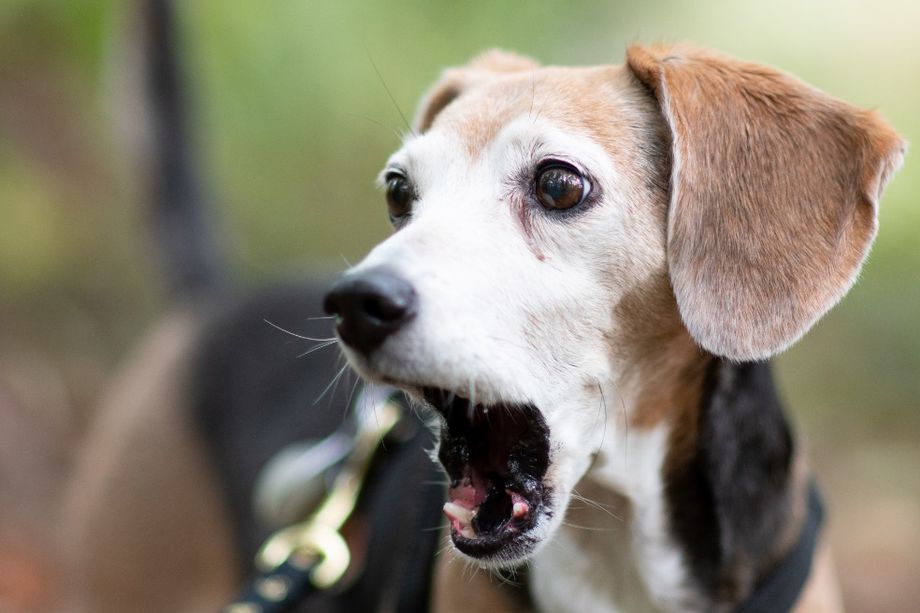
455,80
774,191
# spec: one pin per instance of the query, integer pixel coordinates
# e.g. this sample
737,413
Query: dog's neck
692,500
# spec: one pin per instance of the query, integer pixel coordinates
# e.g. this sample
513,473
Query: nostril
383,308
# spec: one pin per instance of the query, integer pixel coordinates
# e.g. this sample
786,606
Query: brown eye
400,196
561,187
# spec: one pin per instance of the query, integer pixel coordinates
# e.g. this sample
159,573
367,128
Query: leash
312,555
780,590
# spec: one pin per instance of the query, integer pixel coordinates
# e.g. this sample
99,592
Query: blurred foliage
292,124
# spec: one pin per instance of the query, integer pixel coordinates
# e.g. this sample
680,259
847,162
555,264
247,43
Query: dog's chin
496,457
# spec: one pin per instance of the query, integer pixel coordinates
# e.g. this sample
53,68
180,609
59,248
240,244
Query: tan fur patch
146,525
664,367
455,80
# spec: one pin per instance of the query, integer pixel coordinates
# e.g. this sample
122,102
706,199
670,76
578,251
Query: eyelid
551,161
388,173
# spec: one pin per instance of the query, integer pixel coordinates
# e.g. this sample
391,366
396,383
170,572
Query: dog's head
557,226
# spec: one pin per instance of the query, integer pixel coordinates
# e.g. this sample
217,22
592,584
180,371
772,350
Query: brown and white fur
731,206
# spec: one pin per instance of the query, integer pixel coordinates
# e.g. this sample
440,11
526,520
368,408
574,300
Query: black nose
370,306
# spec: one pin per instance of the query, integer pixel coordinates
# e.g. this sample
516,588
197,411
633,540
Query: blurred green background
292,125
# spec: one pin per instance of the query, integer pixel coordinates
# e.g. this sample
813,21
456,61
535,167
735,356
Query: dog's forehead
602,103
596,101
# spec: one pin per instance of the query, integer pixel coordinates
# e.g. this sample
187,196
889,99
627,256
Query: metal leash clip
315,546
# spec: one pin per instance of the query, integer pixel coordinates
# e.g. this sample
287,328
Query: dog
590,270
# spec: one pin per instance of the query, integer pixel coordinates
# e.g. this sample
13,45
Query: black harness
292,585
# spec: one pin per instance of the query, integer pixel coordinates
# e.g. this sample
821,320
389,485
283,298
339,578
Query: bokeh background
291,124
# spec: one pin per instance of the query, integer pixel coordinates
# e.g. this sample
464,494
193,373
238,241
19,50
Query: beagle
590,270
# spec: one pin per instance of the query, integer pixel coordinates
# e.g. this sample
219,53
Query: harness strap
780,590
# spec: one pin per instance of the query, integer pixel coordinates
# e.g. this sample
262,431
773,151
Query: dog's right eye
400,196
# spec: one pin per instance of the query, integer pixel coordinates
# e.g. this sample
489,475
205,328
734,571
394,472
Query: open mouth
496,458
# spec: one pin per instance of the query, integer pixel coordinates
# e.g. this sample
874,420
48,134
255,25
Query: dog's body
589,268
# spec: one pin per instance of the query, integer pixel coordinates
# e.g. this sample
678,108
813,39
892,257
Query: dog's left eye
400,196
561,187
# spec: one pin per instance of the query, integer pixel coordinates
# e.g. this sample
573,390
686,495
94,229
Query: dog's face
522,217
530,207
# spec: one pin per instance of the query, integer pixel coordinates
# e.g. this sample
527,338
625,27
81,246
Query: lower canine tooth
455,511
519,510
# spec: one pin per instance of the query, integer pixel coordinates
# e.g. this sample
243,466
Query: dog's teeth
461,514
519,510
468,532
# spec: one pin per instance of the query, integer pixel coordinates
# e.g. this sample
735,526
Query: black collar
780,590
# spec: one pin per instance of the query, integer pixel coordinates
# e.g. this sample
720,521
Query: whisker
317,348
603,404
471,407
389,93
625,432
331,383
509,581
351,396
295,335
432,529
365,118
335,387
588,528
596,505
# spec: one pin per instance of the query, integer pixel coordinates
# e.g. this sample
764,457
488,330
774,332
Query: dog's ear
455,80
774,190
